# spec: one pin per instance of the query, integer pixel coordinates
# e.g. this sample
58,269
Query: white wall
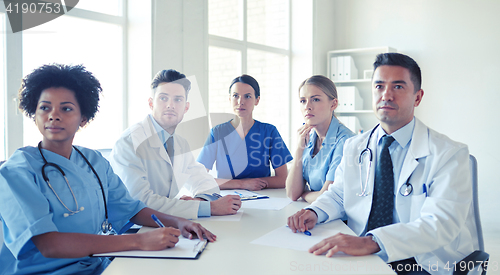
180,42
456,45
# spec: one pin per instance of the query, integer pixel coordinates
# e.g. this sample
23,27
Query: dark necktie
170,148
383,190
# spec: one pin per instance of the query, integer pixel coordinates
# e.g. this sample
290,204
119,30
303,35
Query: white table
232,253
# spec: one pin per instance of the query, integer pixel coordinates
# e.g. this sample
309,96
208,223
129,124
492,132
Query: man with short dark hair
413,206
155,163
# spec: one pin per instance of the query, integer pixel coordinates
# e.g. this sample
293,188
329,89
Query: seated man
413,205
155,163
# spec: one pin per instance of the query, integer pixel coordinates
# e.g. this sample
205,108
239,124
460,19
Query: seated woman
319,151
59,202
243,147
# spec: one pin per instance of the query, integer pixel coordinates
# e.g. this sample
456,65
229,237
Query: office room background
280,42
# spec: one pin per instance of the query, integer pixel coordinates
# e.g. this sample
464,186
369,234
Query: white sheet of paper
267,204
227,218
284,237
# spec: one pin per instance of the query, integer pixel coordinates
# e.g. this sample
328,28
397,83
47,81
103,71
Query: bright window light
99,47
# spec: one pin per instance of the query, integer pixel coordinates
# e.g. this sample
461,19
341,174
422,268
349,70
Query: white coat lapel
154,140
182,155
419,148
361,181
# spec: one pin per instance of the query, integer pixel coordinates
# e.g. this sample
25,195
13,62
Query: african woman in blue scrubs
60,203
244,148
320,140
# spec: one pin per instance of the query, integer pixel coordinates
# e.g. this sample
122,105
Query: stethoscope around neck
106,227
408,188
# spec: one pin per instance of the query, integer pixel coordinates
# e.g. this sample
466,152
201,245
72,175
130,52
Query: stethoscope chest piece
408,188
107,228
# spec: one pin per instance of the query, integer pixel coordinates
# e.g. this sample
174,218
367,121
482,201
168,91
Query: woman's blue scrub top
249,157
320,168
28,207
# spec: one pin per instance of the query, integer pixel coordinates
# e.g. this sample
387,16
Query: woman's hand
192,230
303,135
254,184
159,239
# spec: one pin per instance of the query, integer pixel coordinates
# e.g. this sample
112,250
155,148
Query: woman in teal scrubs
60,202
320,140
244,148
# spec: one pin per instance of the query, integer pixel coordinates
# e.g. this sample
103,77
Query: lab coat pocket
416,205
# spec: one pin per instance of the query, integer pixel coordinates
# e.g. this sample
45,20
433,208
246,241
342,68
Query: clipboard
245,195
184,249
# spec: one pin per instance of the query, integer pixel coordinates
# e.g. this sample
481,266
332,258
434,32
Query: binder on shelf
351,122
350,71
340,68
333,69
349,99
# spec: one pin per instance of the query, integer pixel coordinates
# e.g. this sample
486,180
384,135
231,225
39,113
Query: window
224,65
96,42
111,7
251,37
3,96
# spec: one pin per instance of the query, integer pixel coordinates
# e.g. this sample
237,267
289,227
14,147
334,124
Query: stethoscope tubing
47,164
367,150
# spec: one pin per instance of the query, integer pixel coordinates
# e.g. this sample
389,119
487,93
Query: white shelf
363,59
352,81
374,50
357,112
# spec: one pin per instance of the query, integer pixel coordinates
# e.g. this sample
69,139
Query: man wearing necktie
156,164
423,231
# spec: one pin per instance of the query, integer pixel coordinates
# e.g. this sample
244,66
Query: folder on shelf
349,99
350,71
340,68
333,69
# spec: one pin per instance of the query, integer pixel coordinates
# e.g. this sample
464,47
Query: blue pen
305,232
425,189
157,221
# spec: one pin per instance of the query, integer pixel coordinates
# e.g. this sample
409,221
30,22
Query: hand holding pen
162,238
302,221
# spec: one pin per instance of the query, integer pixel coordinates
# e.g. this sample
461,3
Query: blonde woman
320,141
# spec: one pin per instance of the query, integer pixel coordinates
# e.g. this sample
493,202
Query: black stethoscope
408,188
106,227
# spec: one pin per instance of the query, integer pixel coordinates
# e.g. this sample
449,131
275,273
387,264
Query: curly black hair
75,78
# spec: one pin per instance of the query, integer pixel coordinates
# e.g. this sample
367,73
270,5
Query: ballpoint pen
307,232
157,221
424,187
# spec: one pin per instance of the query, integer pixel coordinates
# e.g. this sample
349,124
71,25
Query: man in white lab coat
429,223
155,163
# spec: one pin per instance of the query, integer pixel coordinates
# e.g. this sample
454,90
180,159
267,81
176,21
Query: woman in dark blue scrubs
244,148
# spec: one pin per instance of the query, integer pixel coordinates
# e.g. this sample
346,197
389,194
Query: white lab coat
141,161
437,230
